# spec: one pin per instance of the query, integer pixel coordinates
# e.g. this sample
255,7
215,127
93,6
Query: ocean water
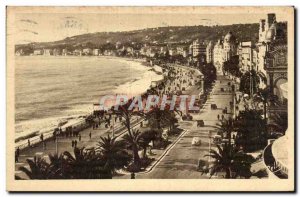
50,90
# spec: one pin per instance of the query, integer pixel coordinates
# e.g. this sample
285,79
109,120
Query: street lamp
113,131
209,142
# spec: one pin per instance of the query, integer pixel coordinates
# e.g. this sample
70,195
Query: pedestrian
132,175
72,143
28,142
90,134
79,137
17,154
42,137
18,151
218,117
16,158
75,143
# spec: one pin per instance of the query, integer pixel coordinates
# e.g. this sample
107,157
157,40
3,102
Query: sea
51,90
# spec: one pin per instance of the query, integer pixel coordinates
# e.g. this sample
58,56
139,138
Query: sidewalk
65,144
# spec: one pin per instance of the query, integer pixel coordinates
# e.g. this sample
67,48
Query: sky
45,27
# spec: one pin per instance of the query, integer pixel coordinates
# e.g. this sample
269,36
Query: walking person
90,134
16,158
218,117
79,137
75,143
17,154
72,143
28,141
132,175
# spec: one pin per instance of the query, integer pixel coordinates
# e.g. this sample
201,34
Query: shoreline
63,143
22,140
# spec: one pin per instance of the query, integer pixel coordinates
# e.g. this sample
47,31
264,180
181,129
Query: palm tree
226,127
39,168
249,82
231,161
159,118
146,137
251,130
85,164
113,153
280,122
130,137
133,142
263,96
57,166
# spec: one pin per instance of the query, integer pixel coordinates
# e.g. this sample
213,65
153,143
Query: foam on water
69,91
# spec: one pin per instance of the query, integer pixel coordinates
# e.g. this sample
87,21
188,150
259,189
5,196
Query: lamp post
113,131
209,142
234,102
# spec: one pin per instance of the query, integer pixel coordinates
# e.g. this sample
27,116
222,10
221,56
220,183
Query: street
182,160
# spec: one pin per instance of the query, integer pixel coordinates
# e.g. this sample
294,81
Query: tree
39,168
158,118
146,137
251,133
113,154
133,140
249,82
210,74
230,160
57,166
232,66
226,127
263,96
85,164
280,122
127,114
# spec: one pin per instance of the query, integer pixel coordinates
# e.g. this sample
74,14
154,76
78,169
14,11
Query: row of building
268,56
258,56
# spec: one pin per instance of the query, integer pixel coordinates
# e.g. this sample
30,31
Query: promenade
182,160
65,143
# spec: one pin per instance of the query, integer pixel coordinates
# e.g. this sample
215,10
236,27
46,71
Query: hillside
160,35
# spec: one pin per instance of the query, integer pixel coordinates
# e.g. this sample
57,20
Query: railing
274,171
78,126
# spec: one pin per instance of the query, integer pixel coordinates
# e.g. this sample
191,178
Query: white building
87,51
96,52
230,46
38,52
209,52
218,55
198,47
245,52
